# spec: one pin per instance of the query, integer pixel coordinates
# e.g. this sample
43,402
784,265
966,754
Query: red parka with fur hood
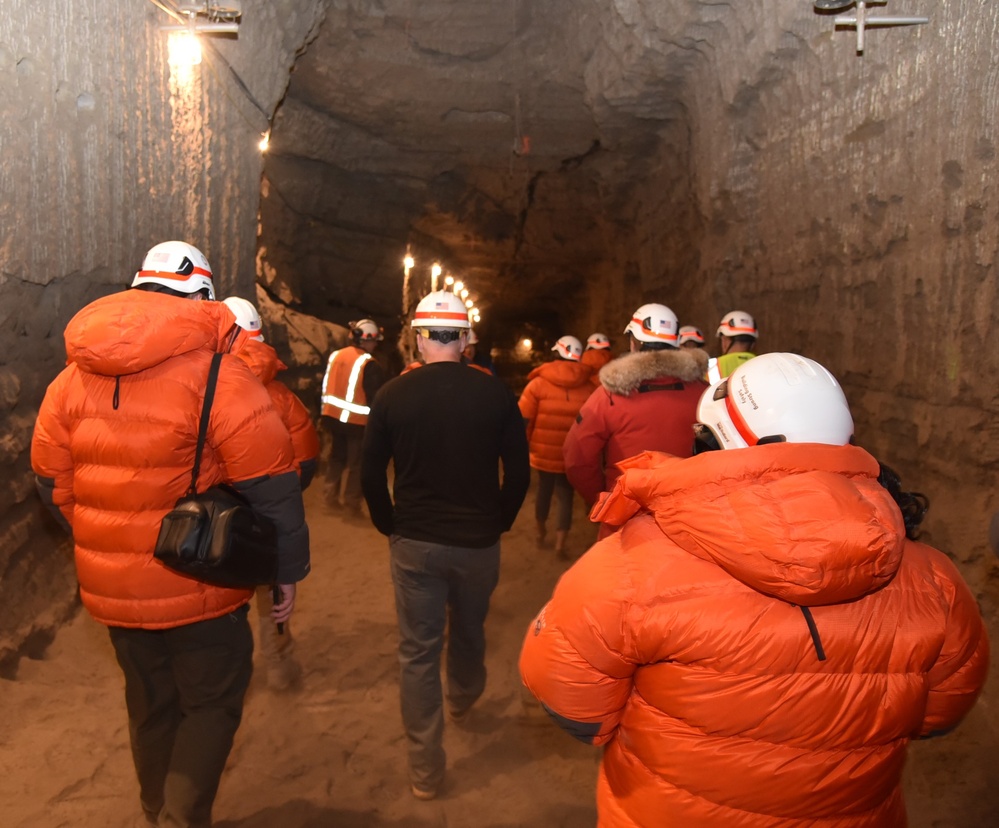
549,403
758,643
265,364
647,402
114,445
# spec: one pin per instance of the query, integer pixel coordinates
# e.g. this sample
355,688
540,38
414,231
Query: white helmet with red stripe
441,309
176,265
654,323
597,342
569,347
777,398
366,329
738,323
688,333
246,316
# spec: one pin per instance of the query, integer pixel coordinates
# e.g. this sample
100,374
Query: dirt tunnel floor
331,751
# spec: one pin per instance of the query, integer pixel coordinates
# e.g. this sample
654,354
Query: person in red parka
554,393
112,451
761,640
646,402
283,671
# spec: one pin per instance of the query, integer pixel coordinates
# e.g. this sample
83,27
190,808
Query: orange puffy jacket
758,644
265,364
114,445
596,358
549,404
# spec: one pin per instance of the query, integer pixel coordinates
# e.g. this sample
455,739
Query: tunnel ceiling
504,137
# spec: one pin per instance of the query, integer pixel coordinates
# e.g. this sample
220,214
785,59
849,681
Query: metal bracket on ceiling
208,16
861,19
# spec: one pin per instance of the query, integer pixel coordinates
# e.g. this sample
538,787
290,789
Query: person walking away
112,452
690,337
448,431
647,401
554,393
283,671
597,354
353,377
737,335
473,359
760,641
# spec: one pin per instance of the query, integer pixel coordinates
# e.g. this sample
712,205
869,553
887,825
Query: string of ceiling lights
449,282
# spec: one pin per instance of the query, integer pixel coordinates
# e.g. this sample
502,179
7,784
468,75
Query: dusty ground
331,752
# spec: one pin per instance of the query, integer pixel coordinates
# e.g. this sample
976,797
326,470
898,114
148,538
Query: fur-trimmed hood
626,373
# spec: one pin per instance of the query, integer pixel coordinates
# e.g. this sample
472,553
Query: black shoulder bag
216,536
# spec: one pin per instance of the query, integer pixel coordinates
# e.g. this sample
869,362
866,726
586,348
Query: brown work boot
541,532
560,551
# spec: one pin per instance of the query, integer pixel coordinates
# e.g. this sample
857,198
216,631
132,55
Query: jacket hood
803,522
626,373
133,330
564,373
262,359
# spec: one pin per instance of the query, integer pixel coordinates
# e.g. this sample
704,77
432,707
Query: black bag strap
206,413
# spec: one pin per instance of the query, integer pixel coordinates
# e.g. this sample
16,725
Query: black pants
549,483
184,690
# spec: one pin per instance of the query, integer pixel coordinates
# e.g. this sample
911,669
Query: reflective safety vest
723,366
343,391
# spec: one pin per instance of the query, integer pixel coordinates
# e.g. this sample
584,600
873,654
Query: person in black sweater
447,428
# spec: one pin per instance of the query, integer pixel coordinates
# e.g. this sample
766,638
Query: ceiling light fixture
861,20
207,17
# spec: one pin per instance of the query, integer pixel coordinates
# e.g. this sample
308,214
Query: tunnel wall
106,152
848,202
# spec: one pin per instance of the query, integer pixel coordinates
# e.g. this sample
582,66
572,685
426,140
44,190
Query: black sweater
448,428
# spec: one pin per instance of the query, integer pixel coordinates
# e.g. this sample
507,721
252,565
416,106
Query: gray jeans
437,585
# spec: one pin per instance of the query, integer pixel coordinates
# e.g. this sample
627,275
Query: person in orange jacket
549,403
761,640
283,671
112,451
596,354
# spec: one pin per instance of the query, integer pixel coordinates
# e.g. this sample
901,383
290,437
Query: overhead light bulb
408,262
183,49
449,280
464,294
435,270
265,141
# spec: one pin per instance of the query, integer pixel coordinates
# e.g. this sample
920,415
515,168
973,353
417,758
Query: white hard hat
737,323
688,333
177,265
246,316
441,309
653,323
366,329
597,342
777,398
569,347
